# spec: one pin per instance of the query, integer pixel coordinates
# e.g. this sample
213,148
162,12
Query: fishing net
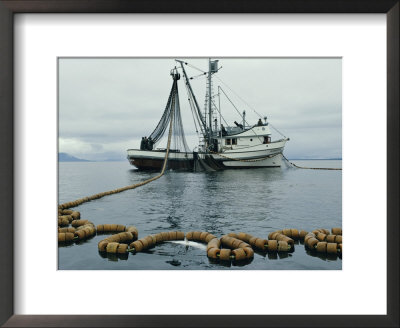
172,111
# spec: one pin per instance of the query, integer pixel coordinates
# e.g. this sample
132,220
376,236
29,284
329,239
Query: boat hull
272,161
256,157
156,164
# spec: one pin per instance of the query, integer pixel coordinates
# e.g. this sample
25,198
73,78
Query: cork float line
153,240
236,250
238,246
118,238
262,244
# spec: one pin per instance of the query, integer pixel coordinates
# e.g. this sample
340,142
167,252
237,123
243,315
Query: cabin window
267,140
227,141
234,141
251,139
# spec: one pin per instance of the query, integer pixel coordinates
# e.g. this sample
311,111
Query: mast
207,129
220,117
212,68
209,104
193,96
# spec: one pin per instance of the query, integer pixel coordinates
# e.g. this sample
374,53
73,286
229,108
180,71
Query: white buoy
189,243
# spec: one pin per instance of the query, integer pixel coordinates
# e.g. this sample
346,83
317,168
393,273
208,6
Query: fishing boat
220,147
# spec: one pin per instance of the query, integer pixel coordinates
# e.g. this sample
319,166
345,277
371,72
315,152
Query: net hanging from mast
178,142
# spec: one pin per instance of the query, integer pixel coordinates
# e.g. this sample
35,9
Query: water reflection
174,222
215,199
284,255
174,262
66,244
75,242
114,257
228,264
243,262
324,256
274,255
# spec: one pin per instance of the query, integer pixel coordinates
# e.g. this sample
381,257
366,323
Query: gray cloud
107,105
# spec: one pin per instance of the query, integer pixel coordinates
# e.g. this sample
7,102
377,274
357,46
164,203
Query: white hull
274,161
263,155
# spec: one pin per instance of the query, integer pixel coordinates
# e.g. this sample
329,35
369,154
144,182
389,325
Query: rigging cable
244,101
240,114
196,76
277,130
199,115
237,95
219,112
251,107
310,168
196,68
192,109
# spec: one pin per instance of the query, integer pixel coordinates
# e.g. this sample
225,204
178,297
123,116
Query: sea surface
256,201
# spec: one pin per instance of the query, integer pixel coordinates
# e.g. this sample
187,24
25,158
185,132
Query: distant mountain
64,157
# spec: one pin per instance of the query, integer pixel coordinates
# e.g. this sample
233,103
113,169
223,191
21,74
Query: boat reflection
114,257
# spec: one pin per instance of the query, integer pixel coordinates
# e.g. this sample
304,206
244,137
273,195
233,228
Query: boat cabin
236,138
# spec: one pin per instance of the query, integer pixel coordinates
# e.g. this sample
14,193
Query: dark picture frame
10,7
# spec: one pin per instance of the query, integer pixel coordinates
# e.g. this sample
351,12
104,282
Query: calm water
254,201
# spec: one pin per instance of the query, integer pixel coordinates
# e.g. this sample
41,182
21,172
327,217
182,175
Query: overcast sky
107,105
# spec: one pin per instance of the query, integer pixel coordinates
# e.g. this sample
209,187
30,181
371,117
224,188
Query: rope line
311,168
277,130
